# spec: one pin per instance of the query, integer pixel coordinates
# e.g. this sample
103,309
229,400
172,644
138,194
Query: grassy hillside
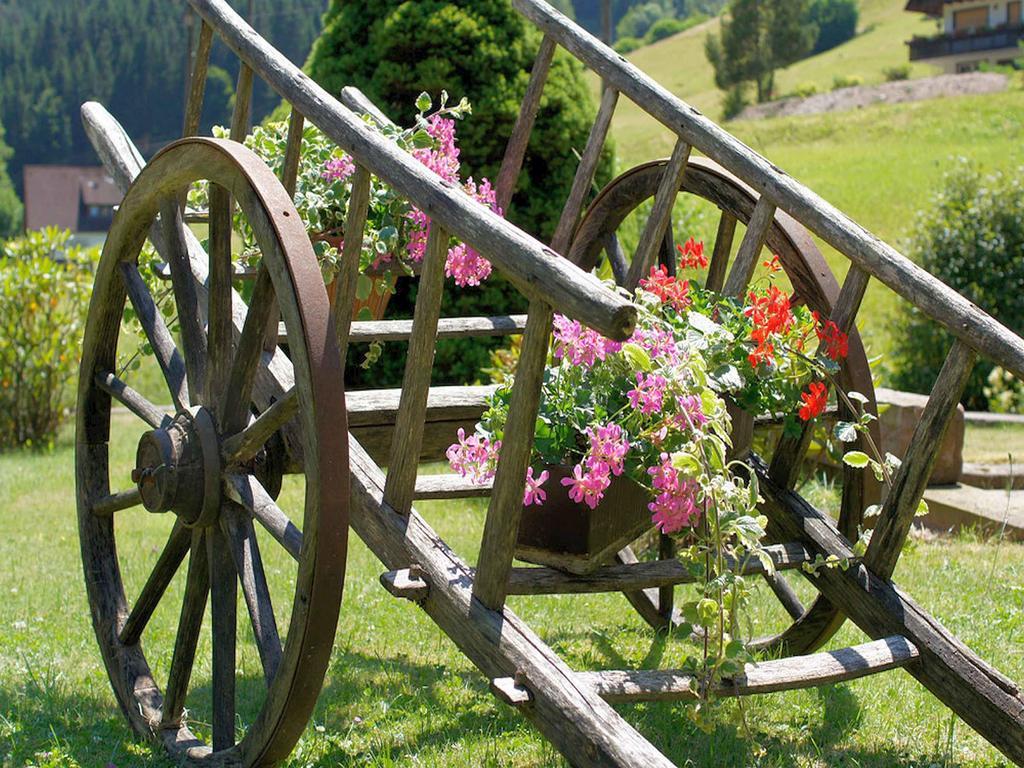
679,63
880,164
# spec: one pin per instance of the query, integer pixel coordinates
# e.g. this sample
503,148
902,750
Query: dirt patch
887,93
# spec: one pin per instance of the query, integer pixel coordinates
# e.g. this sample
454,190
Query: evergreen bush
971,237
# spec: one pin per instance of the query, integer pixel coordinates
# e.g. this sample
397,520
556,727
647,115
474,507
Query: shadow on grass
383,710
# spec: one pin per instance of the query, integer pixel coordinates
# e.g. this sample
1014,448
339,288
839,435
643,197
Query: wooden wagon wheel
813,285
203,462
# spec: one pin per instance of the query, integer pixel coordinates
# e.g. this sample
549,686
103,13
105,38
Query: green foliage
484,50
758,37
805,90
900,72
668,27
1005,392
640,18
735,101
835,21
971,237
588,12
10,205
127,54
628,44
846,81
44,290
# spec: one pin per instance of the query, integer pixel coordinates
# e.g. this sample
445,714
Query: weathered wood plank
116,502
245,552
347,281
432,487
637,576
244,445
585,173
247,491
132,400
882,261
519,139
171,557
506,506
197,81
654,231
365,331
371,407
901,502
719,265
796,672
160,339
223,615
292,151
531,267
419,365
197,587
743,266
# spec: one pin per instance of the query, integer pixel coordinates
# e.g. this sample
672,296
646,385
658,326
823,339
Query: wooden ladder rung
407,583
634,576
761,677
364,331
450,487
373,407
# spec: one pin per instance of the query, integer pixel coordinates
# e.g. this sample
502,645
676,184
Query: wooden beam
795,672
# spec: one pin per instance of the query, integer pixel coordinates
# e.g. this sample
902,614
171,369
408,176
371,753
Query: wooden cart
245,413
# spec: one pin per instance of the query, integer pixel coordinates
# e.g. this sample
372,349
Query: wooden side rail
962,318
537,271
363,331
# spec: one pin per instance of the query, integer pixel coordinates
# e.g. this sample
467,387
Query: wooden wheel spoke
190,325
220,331
131,399
197,586
616,258
235,403
243,446
245,551
247,491
167,565
223,610
742,272
723,249
115,502
160,339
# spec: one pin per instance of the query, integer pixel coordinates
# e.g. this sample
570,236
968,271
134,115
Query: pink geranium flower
588,487
649,394
474,457
533,493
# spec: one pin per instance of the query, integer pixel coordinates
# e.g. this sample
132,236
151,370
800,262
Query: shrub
640,18
805,90
836,21
735,101
628,44
971,237
666,28
893,74
44,291
1004,391
846,81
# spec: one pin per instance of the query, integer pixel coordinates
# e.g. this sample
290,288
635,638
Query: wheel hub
177,468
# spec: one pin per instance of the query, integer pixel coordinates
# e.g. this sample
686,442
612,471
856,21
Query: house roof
930,7
54,193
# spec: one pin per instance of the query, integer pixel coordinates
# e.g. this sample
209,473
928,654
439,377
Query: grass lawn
399,693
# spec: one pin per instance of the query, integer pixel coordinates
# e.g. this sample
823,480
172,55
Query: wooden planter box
575,538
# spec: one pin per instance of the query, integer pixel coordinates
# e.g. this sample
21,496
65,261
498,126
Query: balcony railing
972,42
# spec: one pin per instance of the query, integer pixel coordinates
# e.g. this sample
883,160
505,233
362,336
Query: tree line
131,56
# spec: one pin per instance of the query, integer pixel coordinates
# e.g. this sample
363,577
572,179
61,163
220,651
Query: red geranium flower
814,401
692,255
835,343
667,288
772,264
771,315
